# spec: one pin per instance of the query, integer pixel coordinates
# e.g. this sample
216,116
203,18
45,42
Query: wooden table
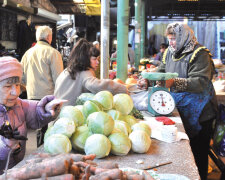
179,153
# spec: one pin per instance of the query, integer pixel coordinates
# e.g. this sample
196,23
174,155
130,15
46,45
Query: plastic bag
219,134
140,100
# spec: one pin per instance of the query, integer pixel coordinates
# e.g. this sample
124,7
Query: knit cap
10,67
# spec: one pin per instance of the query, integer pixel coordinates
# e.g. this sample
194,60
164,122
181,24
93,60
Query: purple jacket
25,114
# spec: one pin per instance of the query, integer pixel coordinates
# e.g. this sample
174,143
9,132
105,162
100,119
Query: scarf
185,39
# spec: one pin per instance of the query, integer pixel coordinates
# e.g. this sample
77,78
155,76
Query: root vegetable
75,170
52,167
93,169
110,174
108,165
59,177
87,173
135,177
147,175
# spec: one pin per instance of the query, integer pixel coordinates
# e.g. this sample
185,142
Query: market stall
178,153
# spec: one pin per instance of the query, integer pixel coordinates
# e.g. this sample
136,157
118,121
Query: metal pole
105,28
137,6
142,29
122,38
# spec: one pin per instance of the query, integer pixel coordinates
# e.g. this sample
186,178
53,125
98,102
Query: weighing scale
160,101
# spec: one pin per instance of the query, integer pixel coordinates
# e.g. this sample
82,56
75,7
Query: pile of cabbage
101,125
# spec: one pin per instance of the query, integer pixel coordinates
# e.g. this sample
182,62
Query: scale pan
157,76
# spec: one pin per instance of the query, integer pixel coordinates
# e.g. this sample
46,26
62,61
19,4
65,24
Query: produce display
101,124
69,167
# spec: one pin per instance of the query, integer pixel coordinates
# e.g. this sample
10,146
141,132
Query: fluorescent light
48,14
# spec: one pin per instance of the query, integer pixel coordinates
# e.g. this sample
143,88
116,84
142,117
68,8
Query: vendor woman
18,114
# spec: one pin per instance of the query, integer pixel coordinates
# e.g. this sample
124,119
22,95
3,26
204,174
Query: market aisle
32,145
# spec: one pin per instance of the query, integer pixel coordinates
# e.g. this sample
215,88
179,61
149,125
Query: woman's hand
54,106
169,83
142,84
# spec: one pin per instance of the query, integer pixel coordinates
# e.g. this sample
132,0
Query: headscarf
185,38
10,67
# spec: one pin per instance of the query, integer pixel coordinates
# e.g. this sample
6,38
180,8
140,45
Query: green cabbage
83,98
120,143
123,103
131,120
48,133
57,143
141,126
116,115
90,107
78,139
72,113
100,123
64,126
123,126
140,141
97,144
105,98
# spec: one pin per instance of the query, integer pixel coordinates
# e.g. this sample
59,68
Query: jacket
25,114
197,67
41,66
69,89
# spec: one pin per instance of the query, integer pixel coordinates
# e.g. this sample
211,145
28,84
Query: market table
179,153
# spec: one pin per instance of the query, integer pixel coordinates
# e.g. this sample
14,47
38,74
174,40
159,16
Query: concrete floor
32,145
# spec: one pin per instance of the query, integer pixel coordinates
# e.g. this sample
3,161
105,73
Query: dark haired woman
79,76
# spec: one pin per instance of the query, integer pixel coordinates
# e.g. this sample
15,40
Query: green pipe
137,6
142,29
122,38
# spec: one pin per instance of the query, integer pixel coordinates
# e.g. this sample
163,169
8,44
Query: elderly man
41,66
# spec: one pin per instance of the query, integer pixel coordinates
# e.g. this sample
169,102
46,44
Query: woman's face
94,62
172,40
9,92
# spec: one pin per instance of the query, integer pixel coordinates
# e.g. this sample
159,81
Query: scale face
160,102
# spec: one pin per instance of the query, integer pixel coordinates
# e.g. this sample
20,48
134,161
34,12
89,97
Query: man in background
41,66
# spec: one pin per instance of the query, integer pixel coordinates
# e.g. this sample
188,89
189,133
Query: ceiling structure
156,9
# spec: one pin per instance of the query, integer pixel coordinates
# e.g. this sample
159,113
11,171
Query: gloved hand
7,132
49,107
54,106
42,113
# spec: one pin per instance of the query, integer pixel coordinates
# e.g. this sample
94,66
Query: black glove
7,132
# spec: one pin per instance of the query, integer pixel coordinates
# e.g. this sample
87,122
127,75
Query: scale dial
162,102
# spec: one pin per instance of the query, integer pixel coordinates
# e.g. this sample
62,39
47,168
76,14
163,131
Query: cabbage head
116,130
81,108
90,107
48,133
140,141
100,123
131,120
116,115
57,143
105,98
120,143
143,127
83,98
97,144
123,126
72,113
123,103
64,126
79,138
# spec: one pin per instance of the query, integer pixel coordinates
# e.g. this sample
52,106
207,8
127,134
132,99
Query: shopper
162,49
19,114
79,76
193,91
41,66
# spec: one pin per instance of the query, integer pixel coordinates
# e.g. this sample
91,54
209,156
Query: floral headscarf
185,38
